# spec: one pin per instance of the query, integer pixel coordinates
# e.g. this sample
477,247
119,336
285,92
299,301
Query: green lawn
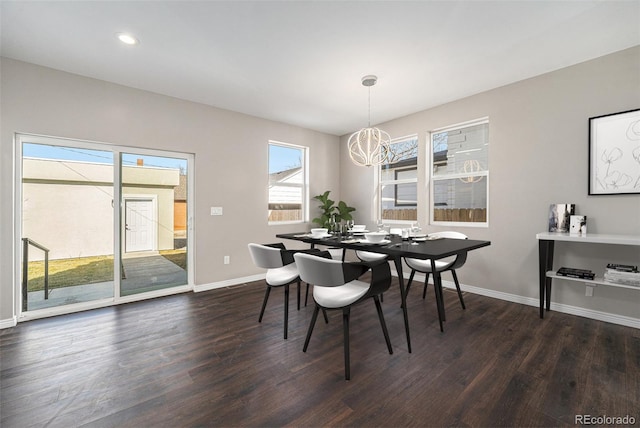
85,270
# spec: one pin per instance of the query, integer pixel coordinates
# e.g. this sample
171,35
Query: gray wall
230,157
538,156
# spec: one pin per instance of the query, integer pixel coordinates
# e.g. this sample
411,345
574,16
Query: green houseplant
344,212
340,212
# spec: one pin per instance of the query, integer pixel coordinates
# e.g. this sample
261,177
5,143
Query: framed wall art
614,153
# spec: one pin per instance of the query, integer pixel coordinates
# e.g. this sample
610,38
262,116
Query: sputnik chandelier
370,146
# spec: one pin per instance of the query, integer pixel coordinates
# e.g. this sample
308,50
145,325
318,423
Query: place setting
373,238
316,233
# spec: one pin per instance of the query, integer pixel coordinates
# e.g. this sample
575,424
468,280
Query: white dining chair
281,272
336,286
451,264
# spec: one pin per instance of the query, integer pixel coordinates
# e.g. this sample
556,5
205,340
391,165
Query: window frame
304,186
431,179
395,182
399,182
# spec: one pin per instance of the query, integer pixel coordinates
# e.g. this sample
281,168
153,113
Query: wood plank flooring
195,360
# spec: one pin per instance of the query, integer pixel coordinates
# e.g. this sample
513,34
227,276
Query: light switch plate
216,210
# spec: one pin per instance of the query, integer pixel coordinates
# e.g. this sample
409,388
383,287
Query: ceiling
301,62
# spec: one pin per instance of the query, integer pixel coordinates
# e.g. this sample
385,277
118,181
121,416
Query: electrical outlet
226,260
588,291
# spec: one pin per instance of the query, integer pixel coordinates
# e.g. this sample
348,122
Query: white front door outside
140,226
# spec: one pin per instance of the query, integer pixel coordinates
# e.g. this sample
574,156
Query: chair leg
424,290
299,285
286,309
413,272
441,294
345,325
306,295
455,279
383,324
264,302
314,317
326,318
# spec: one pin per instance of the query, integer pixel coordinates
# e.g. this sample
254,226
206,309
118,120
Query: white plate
366,241
419,235
427,238
320,236
359,232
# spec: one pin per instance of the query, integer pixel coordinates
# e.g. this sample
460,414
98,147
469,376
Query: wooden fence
285,215
463,215
401,214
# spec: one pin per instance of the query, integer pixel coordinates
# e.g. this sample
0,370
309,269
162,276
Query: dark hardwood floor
204,360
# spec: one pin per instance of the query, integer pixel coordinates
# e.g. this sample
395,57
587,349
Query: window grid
459,175
398,181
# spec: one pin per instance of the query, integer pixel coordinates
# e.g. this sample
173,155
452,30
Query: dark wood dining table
395,248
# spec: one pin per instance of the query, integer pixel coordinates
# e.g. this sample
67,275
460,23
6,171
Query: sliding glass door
154,239
100,223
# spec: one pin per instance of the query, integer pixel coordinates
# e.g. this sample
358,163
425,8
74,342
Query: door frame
24,137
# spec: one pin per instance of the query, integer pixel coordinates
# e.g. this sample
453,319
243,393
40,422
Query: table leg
437,285
545,261
403,296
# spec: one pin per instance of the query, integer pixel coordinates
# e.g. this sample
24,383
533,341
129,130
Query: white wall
231,157
538,156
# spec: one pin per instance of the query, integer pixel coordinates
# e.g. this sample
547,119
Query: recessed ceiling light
127,39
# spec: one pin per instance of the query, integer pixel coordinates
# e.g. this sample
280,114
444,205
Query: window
460,174
399,182
287,182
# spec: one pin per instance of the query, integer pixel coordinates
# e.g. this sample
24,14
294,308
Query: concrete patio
141,274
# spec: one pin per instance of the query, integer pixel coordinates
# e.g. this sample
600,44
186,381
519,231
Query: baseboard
8,323
228,283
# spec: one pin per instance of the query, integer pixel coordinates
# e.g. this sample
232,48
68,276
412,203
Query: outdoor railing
25,269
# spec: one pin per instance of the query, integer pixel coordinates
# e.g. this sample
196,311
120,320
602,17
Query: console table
546,241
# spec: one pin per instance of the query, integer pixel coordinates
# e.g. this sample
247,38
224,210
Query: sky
282,158
97,156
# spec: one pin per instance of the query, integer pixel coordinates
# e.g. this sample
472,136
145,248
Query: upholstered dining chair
424,266
336,254
336,286
281,272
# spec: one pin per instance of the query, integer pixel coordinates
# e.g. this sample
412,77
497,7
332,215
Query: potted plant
339,212
344,212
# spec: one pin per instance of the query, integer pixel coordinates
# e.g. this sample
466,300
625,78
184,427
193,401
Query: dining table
395,248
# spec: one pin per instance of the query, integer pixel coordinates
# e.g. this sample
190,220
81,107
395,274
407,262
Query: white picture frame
614,153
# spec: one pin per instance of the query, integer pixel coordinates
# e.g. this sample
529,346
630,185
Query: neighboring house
285,194
180,208
68,207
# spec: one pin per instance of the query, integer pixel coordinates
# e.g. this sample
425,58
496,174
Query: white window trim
305,185
431,179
